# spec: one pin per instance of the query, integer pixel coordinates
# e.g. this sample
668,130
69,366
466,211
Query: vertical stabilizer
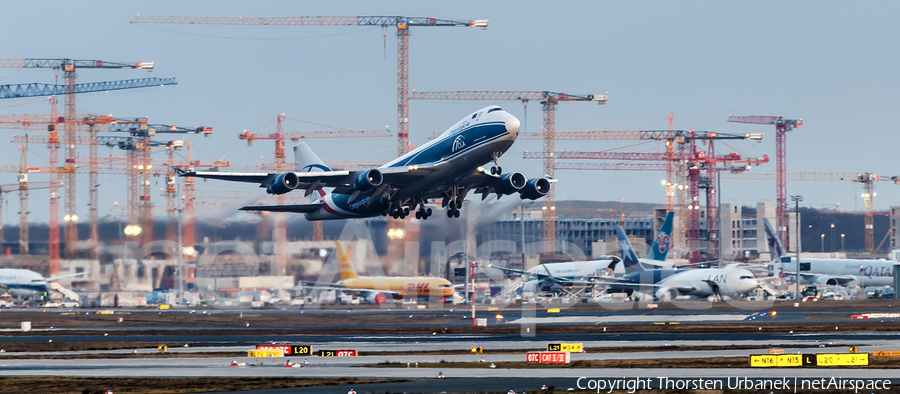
347,271
307,160
660,248
776,248
629,257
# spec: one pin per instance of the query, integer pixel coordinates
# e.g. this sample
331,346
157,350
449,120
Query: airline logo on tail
660,247
663,242
776,249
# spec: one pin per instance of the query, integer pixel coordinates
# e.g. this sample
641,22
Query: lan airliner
447,168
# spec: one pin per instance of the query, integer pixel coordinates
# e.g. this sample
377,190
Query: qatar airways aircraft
446,168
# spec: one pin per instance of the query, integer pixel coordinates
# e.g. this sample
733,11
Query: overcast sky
831,63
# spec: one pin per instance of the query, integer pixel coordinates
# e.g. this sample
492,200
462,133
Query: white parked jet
549,277
844,272
667,284
26,283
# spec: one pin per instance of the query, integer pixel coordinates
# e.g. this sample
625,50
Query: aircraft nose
512,125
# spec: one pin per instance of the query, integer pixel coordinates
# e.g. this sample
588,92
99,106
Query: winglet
347,271
180,171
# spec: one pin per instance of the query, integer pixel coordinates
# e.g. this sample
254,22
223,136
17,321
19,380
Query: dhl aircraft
376,289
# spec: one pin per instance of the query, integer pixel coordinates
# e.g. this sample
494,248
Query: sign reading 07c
337,353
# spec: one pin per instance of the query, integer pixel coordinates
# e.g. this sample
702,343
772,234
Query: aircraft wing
264,179
841,279
363,292
515,271
65,276
298,208
486,184
342,181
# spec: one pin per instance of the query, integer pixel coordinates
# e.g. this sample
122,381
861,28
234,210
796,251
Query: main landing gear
399,211
496,169
452,209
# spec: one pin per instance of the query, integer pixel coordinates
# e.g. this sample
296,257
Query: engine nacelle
376,298
530,287
283,183
827,281
666,294
535,189
511,183
367,180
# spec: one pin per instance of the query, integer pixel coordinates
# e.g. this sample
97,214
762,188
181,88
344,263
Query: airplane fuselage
22,282
733,282
404,287
864,273
456,154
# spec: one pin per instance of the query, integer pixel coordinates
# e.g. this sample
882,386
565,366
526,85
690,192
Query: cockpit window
746,277
474,115
494,109
442,285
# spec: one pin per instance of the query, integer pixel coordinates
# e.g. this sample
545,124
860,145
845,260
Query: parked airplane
667,284
376,289
19,282
446,168
844,272
553,277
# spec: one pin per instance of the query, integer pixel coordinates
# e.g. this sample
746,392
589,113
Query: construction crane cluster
688,167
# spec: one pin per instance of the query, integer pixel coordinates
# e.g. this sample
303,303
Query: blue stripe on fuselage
444,148
19,286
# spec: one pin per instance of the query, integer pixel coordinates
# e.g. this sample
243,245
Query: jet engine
535,189
367,180
376,298
283,183
666,294
511,183
832,281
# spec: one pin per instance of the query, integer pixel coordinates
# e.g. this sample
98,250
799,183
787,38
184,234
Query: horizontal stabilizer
299,208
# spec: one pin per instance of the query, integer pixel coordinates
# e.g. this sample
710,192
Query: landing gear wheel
493,170
428,211
451,205
456,213
418,214
450,213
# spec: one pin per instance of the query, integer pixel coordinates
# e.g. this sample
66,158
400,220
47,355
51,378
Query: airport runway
164,368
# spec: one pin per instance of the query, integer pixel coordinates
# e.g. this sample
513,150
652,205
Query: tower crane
782,126
698,163
865,178
279,136
548,102
137,127
69,89
671,137
402,23
23,186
